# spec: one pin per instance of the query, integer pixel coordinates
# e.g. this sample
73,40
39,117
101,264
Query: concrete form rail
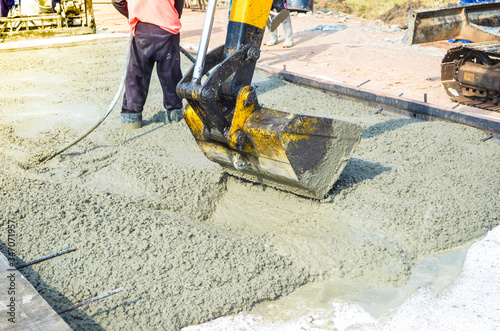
488,121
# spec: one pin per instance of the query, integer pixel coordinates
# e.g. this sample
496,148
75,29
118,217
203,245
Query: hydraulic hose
110,108
187,54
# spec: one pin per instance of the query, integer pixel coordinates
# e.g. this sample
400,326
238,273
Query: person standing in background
281,8
155,26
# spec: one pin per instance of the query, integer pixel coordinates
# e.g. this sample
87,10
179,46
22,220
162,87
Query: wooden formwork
21,306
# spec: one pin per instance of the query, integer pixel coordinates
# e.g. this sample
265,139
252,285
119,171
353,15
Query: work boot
287,26
274,38
174,115
131,121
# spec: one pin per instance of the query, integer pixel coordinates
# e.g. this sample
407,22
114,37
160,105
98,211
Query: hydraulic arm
298,153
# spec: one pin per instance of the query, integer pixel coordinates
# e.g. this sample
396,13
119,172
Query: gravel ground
147,211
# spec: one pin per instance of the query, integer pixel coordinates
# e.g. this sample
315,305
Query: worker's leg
280,7
5,6
287,26
139,72
169,72
274,34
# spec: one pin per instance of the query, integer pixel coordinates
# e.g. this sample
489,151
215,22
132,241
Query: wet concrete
149,213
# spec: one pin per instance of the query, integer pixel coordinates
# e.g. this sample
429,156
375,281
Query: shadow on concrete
357,171
158,118
274,82
384,127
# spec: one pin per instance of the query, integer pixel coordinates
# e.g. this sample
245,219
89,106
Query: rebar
44,258
86,302
363,83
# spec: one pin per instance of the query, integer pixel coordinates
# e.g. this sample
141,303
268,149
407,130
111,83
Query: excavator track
470,74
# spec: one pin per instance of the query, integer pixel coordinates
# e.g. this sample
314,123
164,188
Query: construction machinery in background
298,153
300,5
470,72
47,18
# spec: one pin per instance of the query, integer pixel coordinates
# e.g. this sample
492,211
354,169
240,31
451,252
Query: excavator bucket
475,22
297,153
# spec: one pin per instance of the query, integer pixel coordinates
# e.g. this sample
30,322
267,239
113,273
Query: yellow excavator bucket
297,153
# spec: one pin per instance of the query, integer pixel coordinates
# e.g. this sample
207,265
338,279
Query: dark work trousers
5,6
151,45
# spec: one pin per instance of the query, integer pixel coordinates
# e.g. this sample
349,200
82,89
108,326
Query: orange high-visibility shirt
158,12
